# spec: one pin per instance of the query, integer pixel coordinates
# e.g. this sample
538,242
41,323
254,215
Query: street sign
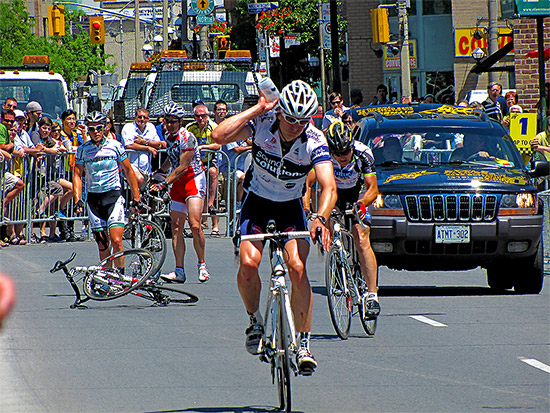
327,41
202,7
205,19
256,8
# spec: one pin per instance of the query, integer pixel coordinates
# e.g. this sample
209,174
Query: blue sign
256,8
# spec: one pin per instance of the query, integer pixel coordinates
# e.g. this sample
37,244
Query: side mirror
540,168
119,111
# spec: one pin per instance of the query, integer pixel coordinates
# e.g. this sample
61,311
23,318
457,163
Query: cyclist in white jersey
353,164
285,146
100,159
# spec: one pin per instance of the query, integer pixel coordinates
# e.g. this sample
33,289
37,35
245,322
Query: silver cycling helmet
298,99
174,109
97,117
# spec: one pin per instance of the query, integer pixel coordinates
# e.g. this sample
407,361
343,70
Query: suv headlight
389,204
518,204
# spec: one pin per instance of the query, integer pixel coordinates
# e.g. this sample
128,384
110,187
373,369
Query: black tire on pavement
109,283
167,295
499,276
339,302
529,274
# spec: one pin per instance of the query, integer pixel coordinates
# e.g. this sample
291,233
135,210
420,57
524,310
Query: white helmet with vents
298,99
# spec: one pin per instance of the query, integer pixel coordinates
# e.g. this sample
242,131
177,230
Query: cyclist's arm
77,182
306,199
131,177
235,127
185,161
372,189
327,200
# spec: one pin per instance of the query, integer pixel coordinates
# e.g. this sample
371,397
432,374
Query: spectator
34,113
110,132
143,141
10,103
511,99
202,128
392,150
541,142
381,97
429,98
317,119
347,119
220,111
12,186
356,97
491,104
336,112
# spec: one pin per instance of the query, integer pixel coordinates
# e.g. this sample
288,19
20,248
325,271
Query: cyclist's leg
178,240
367,259
194,207
302,296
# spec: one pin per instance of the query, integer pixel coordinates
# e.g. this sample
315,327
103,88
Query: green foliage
71,55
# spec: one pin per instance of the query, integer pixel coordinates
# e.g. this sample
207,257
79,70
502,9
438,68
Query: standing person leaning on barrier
187,192
142,139
353,164
202,129
285,146
100,158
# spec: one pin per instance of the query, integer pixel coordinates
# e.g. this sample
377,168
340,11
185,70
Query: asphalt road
470,349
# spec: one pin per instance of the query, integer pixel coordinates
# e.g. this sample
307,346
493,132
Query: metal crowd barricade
545,198
39,200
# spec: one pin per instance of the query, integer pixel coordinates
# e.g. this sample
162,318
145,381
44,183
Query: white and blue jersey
361,165
277,177
101,164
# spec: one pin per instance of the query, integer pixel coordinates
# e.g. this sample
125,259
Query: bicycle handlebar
276,236
59,265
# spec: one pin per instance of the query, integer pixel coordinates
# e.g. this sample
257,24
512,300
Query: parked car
454,195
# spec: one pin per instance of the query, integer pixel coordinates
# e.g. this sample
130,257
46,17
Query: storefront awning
487,64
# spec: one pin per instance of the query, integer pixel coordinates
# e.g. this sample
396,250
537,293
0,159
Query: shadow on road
428,291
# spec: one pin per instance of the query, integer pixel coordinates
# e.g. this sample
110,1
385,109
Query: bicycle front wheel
162,295
369,324
283,359
339,301
118,274
148,235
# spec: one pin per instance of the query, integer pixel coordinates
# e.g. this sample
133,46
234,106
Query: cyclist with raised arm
285,146
353,164
187,192
100,159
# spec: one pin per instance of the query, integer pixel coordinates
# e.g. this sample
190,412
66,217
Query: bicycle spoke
339,300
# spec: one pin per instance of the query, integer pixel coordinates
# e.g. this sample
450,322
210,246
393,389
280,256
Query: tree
292,16
71,55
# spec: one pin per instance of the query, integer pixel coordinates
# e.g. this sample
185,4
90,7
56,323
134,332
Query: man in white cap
34,113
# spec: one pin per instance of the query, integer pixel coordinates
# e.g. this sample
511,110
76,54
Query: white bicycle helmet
174,109
298,99
96,116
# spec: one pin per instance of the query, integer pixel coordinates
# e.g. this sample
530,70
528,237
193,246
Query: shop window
431,7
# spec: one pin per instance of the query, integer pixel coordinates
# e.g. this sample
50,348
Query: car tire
530,274
499,277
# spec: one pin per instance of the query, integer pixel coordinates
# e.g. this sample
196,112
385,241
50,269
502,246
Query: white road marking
427,320
535,363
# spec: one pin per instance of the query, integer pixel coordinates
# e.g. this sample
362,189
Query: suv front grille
451,207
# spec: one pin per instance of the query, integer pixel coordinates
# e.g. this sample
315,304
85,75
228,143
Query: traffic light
223,43
56,20
380,25
97,30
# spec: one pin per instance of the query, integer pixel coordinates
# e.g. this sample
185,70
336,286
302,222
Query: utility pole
336,84
165,24
136,28
322,59
492,33
402,6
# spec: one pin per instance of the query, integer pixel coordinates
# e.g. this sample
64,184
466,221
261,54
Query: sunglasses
171,121
9,120
142,117
292,120
335,102
97,128
343,153
203,115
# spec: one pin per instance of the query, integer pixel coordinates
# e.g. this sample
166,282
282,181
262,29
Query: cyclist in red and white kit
188,189
285,146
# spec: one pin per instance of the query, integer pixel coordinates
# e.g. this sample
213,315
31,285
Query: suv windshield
436,146
49,93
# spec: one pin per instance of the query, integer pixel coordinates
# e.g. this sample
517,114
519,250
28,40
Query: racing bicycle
344,281
279,340
124,272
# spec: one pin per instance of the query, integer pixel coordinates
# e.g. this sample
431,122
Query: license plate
452,234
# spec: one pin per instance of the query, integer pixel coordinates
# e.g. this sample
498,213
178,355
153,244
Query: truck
175,78
34,81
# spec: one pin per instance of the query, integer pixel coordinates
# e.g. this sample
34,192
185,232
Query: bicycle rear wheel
110,282
283,359
339,301
148,235
165,295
